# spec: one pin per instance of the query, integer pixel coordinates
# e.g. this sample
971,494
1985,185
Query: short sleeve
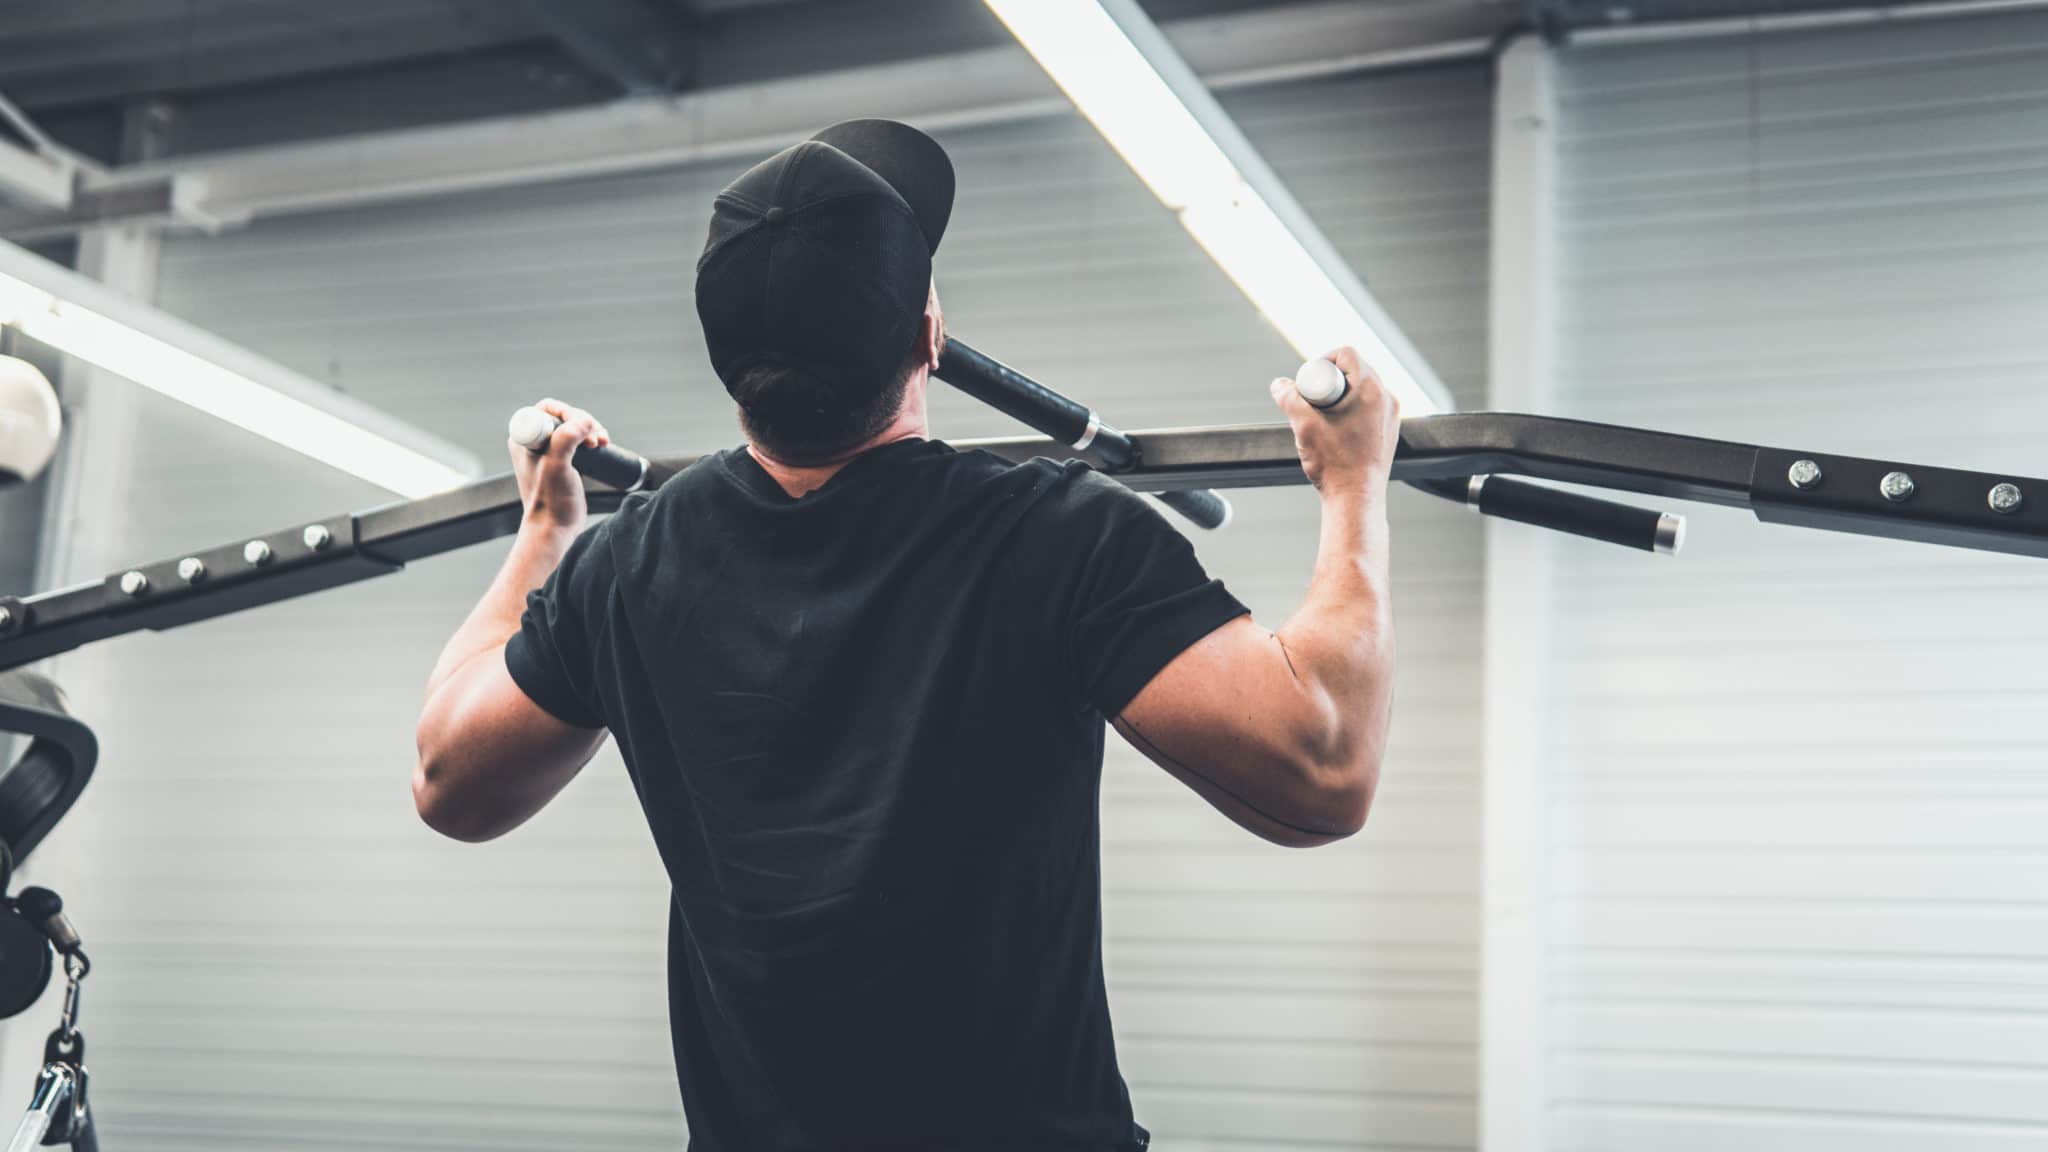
1140,597
553,655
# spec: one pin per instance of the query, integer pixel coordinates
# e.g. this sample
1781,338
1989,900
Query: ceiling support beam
69,69
40,173
46,190
641,45
169,201
36,178
1607,31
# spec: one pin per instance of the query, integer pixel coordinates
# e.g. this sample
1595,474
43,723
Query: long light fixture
83,318
1123,75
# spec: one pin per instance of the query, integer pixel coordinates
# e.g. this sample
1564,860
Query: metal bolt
6,618
1804,473
1896,486
2005,498
133,583
317,536
191,569
256,553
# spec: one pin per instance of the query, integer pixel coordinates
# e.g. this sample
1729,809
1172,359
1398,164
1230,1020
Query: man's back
866,728
858,679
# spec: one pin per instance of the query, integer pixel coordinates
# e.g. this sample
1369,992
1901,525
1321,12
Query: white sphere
1320,382
30,420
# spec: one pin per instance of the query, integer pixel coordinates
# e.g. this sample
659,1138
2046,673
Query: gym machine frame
1458,456
1461,457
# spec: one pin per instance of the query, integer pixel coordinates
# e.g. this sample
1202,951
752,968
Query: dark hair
800,419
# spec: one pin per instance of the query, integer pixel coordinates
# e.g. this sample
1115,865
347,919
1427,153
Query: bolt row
192,570
1897,487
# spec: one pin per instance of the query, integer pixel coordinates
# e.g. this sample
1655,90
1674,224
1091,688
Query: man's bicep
1224,717
1219,692
510,719
490,755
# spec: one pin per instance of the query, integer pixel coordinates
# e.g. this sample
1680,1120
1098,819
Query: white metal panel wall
1272,999
288,959
1800,781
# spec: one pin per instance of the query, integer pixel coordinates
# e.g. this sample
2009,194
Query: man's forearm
1341,639
536,551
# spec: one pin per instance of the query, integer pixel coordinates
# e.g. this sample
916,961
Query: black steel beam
1947,506
73,54
152,203
643,46
1839,493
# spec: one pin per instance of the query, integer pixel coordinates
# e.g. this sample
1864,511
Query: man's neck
800,480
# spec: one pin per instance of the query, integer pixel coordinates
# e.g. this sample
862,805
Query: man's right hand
1348,447
550,488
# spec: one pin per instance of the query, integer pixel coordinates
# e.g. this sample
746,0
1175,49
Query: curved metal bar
1841,493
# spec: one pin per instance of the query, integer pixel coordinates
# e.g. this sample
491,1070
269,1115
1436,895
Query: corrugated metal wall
289,959
1801,781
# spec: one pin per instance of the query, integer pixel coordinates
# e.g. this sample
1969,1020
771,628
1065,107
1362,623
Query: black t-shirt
866,728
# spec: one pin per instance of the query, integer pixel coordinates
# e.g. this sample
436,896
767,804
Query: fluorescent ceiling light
83,318
1126,79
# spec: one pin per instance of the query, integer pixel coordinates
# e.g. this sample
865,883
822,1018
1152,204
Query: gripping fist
1350,445
549,485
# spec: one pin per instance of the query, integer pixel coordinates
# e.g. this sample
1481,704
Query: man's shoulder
639,513
1067,498
1069,479
969,460
693,481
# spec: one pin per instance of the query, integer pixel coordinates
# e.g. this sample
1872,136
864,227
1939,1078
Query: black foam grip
1011,392
1014,394
1203,508
1587,516
610,464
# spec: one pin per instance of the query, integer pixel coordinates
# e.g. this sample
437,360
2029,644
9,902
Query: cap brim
911,162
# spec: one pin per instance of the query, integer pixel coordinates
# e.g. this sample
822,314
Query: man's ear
932,337
933,333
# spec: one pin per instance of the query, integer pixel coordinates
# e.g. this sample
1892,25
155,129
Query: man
859,679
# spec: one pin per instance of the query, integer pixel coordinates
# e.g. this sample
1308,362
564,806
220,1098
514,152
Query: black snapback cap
820,257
